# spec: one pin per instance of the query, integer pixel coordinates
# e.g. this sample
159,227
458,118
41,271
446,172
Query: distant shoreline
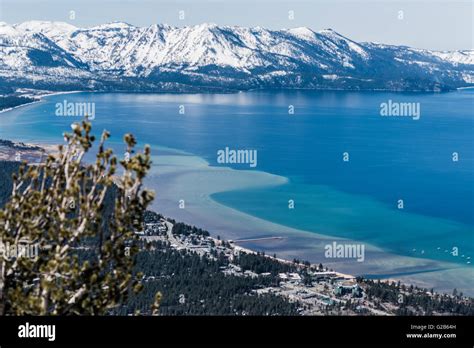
38,99
40,95
19,106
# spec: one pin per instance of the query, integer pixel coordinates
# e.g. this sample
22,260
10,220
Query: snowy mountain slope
26,50
54,30
120,55
457,57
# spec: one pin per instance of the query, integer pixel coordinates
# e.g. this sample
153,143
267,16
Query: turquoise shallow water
356,217
390,158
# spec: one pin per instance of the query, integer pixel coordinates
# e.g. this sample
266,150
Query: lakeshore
313,289
177,176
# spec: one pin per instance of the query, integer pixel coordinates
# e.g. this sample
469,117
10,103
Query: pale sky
430,24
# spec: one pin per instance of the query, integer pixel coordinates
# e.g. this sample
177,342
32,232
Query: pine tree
59,205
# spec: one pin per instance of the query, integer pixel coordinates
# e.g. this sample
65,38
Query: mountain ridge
159,57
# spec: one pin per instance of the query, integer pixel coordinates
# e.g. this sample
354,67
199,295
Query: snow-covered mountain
120,56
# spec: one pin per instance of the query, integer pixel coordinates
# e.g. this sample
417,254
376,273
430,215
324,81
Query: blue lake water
390,158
